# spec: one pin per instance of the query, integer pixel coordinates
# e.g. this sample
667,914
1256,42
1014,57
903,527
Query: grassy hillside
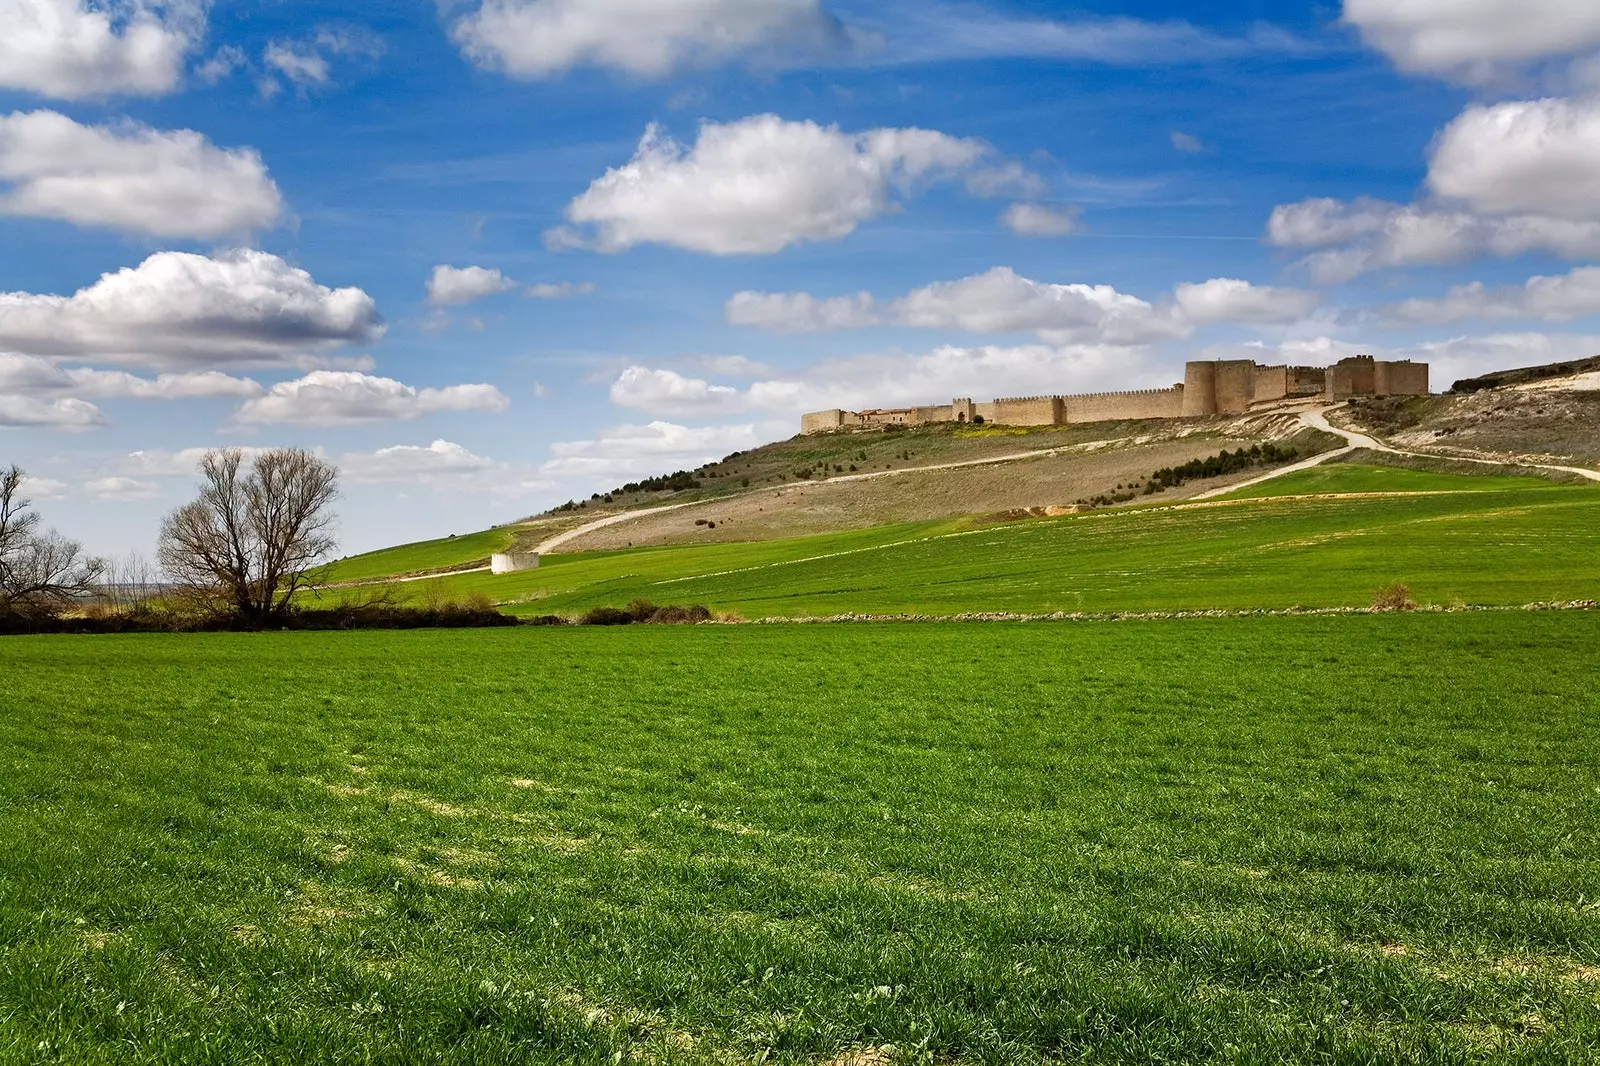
462,551
1486,543
1335,478
1334,841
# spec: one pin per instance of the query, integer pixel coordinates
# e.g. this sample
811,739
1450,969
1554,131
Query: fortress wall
1236,386
1307,380
819,421
989,412
1272,383
1402,378
1114,406
1199,389
962,410
1027,411
1340,384
933,414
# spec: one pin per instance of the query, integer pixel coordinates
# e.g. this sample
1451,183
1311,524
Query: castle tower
1199,389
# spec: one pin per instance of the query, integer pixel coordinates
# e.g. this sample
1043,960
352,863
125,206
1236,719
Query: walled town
1210,387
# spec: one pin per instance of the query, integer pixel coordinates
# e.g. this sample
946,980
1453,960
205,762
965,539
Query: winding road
1317,418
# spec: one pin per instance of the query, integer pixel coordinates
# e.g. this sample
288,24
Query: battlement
1210,387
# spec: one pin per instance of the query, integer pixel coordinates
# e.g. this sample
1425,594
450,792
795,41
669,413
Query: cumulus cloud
1526,157
76,49
340,398
1550,299
1364,235
560,290
891,379
160,463
1038,220
1233,300
1002,301
1506,180
623,453
800,312
1474,40
29,412
131,177
177,309
122,489
43,488
452,286
29,374
758,185
531,39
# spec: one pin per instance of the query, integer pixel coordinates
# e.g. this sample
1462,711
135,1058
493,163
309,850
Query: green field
1363,839
424,555
1488,540
1332,478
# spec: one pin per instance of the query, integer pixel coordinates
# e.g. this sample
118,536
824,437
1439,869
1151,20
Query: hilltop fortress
1216,387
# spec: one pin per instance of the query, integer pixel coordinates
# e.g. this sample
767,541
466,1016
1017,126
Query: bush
546,620
1396,597
606,616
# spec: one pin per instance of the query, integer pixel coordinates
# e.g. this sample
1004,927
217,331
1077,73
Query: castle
1214,387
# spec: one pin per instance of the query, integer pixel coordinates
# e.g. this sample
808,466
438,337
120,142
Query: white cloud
305,63
758,185
894,379
300,65
452,286
1506,180
561,290
131,177
184,310
1367,234
668,392
999,301
623,453
1233,300
75,49
800,312
1551,299
159,463
28,412
1474,40
443,466
544,38
223,62
338,398
1187,142
1527,157
43,488
122,489
31,374
1002,301
1038,220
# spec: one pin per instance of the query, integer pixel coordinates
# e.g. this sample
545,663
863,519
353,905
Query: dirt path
627,516
1317,418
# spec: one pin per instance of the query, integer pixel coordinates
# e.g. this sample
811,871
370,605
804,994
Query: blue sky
671,226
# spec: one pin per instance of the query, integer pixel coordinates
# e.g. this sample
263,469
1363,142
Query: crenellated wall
1115,406
1210,387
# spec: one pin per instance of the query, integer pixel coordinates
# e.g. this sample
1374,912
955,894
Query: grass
424,555
1335,840
1335,478
1498,546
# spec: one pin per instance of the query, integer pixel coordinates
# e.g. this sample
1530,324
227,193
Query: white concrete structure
514,562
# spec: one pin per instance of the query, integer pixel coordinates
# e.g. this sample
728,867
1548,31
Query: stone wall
1402,378
1027,411
1115,406
513,562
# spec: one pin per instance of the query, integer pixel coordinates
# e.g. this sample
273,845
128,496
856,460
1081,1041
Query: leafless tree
252,535
40,573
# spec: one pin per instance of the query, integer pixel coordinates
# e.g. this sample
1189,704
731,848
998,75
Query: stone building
1210,387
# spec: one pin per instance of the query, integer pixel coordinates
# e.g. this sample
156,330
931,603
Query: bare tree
252,534
40,573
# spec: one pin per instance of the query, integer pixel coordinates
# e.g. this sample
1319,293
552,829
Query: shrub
605,616
1396,597
546,620
642,610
